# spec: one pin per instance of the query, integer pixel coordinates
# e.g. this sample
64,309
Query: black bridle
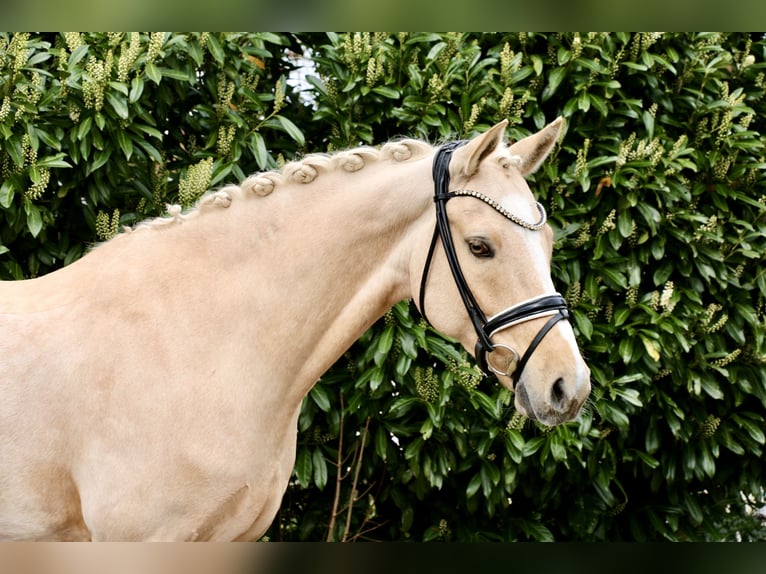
545,305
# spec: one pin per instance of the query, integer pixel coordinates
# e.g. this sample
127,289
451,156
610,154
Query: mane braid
303,171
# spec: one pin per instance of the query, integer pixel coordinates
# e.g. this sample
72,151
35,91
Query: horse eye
480,248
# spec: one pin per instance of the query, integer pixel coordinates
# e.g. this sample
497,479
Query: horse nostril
558,393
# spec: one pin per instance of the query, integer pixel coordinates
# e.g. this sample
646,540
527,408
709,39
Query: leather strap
546,305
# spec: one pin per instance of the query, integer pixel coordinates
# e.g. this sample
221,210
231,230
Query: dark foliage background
656,193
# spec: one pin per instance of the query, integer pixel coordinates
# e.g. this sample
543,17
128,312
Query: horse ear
535,148
468,157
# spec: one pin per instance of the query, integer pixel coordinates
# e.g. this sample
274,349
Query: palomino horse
150,390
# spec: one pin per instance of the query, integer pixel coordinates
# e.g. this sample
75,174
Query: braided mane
303,171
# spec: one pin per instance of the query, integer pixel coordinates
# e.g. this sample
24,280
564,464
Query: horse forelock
303,171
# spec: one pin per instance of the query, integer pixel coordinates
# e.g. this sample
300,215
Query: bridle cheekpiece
553,306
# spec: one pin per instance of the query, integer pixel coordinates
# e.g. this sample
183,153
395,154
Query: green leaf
49,140
558,449
533,445
303,467
751,428
514,445
175,74
149,130
652,347
647,459
538,531
119,86
6,193
625,223
583,323
386,92
474,485
260,153
34,218
407,341
615,277
292,130
403,405
320,468
100,160
385,341
381,442
621,315
615,416
583,101
84,127
136,89
320,397
153,72
413,449
554,80
214,46
648,124
125,142
77,54
601,485
14,149
152,151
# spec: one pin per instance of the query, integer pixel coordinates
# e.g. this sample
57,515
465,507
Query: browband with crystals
502,210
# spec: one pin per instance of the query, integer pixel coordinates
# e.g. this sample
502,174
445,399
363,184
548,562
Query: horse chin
542,412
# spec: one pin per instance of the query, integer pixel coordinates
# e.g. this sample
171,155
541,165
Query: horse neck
311,266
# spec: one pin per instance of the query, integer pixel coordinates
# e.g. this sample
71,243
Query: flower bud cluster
728,359
583,236
426,384
666,299
608,224
435,88
708,427
156,40
5,108
128,55
631,295
73,40
94,83
225,138
476,110
39,184
196,182
573,294
467,376
107,227
582,155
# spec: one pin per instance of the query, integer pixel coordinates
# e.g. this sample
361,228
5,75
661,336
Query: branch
338,478
352,498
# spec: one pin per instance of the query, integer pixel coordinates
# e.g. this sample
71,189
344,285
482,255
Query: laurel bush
656,193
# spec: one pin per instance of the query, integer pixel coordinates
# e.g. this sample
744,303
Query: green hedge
656,194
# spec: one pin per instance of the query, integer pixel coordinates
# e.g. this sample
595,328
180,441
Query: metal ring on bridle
512,365
551,305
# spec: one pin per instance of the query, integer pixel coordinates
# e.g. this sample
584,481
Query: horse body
151,389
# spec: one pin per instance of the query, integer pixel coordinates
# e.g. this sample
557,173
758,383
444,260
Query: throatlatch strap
441,178
424,278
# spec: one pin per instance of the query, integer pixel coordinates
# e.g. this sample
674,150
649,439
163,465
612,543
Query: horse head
486,277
